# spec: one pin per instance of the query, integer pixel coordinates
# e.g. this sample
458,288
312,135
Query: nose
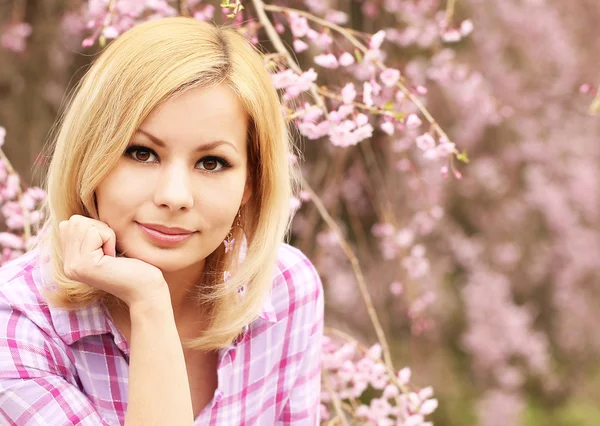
173,188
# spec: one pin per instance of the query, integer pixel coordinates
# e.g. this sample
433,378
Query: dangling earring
229,240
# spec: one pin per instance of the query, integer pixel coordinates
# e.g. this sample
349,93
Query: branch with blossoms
21,208
345,116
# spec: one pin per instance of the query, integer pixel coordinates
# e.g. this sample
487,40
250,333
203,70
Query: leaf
462,157
358,55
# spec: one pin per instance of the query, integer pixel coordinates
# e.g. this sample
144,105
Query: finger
90,241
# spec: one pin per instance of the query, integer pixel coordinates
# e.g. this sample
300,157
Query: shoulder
297,285
20,291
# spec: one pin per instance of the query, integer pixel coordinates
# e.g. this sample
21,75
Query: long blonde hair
143,68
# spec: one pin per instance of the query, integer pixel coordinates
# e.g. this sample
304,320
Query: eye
141,154
214,164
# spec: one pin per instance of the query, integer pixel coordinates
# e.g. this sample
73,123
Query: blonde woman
161,292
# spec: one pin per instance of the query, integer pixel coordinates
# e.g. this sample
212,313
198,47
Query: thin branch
337,404
450,7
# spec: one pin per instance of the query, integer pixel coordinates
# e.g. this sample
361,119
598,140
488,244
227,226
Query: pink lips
165,236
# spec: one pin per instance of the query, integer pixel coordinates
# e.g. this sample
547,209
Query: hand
89,255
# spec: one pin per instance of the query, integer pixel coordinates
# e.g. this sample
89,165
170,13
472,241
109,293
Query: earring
229,240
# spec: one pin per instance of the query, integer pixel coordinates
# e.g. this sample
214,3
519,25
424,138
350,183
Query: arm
159,390
303,405
36,383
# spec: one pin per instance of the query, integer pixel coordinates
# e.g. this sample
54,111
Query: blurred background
487,286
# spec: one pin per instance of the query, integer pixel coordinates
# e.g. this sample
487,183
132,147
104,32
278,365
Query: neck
182,288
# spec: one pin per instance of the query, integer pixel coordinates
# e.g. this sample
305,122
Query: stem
357,272
450,6
184,10
337,403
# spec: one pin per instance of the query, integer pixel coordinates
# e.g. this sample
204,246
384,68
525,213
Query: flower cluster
350,369
20,209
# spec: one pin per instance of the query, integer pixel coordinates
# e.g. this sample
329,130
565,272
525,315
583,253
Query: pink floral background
451,202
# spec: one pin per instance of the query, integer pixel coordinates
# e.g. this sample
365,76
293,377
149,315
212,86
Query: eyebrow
204,147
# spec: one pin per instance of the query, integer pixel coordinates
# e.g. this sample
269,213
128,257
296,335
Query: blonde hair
143,68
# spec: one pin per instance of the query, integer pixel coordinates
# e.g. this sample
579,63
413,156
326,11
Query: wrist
155,299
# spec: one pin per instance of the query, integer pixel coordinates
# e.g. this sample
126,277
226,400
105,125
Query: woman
161,292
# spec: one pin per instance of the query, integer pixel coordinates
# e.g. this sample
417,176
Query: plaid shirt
60,367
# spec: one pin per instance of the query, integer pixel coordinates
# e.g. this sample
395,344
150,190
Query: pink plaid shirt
60,367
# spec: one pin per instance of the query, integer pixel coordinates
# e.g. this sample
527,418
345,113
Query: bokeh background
487,287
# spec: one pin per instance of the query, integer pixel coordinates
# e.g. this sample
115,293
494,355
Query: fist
89,256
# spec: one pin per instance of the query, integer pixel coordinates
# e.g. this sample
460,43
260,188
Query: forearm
159,391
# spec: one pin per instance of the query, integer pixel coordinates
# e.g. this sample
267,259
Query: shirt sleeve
303,405
33,370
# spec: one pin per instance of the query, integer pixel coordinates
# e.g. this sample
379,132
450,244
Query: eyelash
133,148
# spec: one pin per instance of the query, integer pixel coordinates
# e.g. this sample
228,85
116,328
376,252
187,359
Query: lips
164,239
166,230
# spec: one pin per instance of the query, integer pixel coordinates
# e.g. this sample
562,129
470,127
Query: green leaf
358,55
462,157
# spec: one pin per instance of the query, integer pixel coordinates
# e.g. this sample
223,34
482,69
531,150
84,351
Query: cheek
116,196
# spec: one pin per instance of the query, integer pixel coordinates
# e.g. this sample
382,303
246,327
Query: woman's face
185,167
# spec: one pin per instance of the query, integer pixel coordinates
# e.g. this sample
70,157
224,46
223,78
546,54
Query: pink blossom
10,240
367,91
387,127
348,93
389,77
404,376
445,149
13,37
413,121
11,189
425,142
298,25
377,40
88,42
327,61
396,288
3,172
337,17
110,32
391,391
323,41
314,131
375,352
361,119
451,35
299,45
466,27
346,59
206,14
